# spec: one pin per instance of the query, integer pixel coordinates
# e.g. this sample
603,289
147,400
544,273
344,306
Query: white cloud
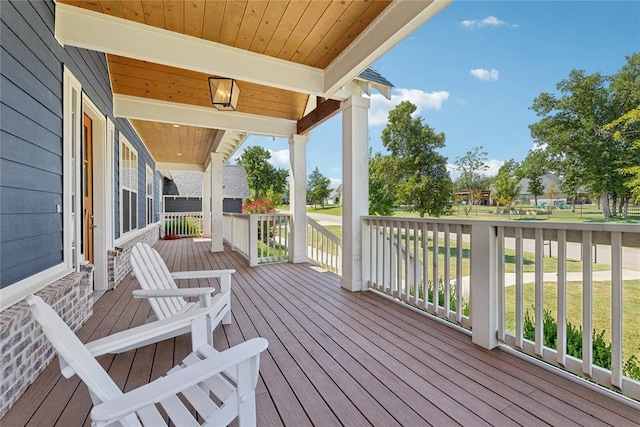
493,166
488,75
489,21
335,182
380,106
280,157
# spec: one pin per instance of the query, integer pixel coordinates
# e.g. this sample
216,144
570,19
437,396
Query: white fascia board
396,22
133,107
87,29
188,167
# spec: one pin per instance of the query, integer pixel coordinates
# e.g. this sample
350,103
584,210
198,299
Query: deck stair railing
183,224
323,247
513,290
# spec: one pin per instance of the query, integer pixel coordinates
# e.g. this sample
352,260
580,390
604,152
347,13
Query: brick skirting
24,350
118,264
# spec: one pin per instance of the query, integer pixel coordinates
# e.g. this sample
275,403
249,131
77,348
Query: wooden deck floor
334,358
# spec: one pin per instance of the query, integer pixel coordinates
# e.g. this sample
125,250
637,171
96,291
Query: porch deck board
334,358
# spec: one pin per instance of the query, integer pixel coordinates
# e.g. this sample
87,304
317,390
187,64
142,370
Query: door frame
102,183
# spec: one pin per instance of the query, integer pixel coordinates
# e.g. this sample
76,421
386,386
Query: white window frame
71,140
126,186
149,198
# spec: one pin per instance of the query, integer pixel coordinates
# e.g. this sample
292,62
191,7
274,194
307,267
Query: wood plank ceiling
312,33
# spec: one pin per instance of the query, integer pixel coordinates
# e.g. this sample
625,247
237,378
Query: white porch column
298,197
206,203
216,203
355,188
484,286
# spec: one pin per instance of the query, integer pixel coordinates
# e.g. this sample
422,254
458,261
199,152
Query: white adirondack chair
216,398
168,300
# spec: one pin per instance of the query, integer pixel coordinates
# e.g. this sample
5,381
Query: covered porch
334,357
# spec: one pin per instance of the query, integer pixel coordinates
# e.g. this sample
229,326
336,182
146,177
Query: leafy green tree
262,176
534,166
628,127
471,167
318,187
381,191
419,172
573,130
506,184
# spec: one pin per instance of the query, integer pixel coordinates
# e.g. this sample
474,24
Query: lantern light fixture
224,93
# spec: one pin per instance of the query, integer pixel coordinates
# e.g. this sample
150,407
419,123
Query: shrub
601,350
259,206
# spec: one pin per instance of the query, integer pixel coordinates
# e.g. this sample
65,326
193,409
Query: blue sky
474,70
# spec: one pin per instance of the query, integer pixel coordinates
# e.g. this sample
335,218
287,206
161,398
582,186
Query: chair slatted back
152,273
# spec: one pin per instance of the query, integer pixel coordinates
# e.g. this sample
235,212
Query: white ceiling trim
396,22
104,33
133,107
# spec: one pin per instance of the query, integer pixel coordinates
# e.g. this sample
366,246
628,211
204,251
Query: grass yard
326,210
601,309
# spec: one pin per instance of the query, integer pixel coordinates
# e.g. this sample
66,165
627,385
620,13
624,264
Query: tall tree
381,188
572,129
471,167
534,166
419,171
262,176
318,187
628,127
506,184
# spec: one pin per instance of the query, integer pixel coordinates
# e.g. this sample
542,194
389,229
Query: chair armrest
202,274
145,334
170,293
223,275
204,294
177,381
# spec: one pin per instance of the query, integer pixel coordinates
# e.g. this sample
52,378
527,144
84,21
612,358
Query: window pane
126,211
134,211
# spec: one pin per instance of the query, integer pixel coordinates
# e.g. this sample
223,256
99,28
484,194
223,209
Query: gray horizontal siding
31,130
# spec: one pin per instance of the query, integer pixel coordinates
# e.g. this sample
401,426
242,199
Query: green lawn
327,210
601,309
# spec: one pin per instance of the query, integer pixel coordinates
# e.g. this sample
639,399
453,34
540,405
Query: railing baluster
459,284
407,261
425,265
501,284
447,271
616,309
519,289
416,264
539,290
587,304
434,270
562,298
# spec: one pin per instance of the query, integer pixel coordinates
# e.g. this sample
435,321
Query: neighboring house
547,180
335,197
183,190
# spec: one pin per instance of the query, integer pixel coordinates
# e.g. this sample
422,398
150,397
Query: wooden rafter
326,108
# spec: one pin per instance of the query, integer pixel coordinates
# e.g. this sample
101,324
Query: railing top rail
609,227
183,213
313,223
239,215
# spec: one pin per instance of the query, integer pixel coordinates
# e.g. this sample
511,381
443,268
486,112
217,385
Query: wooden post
355,174
216,203
206,203
484,289
298,198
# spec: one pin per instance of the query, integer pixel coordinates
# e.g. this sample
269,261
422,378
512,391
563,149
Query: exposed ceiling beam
84,28
324,111
133,107
396,22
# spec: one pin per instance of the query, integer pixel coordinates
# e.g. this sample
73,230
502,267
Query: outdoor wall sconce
224,93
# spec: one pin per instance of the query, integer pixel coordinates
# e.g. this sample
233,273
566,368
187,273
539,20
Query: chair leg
226,319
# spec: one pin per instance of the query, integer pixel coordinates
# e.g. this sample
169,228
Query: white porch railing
323,247
262,238
479,267
184,224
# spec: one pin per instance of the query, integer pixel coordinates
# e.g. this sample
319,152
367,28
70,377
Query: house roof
234,183
282,54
